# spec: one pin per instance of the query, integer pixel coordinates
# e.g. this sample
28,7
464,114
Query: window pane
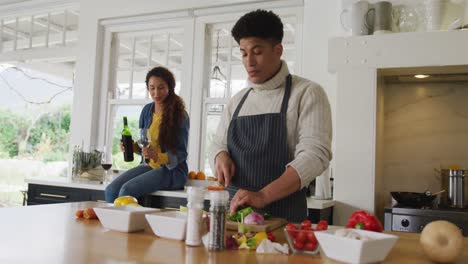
123,86
139,85
24,25
73,20
133,116
142,46
175,50
238,78
213,116
35,116
218,82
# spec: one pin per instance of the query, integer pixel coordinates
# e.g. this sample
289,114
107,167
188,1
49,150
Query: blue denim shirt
177,159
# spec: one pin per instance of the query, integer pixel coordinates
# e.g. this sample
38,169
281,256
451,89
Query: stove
407,219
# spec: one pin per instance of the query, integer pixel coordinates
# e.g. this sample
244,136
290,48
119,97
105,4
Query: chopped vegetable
252,243
237,216
271,237
231,242
364,220
254,219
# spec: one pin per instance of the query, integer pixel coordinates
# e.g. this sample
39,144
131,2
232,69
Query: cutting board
269,225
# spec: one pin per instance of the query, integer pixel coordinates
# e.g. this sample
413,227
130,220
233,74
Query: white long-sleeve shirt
308,121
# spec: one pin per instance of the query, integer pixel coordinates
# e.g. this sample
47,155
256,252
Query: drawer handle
53,195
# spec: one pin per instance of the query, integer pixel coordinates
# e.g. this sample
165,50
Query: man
274,136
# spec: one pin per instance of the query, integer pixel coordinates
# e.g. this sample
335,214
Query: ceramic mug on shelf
354,18
383,17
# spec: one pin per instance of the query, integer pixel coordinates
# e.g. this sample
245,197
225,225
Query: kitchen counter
52,234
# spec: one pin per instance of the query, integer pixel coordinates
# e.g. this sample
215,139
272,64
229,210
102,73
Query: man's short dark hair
261,24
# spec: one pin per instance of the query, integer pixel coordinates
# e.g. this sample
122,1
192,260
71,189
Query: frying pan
413,199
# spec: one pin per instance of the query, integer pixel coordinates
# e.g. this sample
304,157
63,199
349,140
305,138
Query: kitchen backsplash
425,127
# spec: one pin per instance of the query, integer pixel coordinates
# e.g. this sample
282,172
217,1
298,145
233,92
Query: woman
168,125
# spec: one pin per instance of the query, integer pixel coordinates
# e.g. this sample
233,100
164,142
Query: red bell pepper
364,220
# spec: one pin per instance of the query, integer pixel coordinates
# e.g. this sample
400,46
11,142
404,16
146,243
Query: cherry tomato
322,225
301,236
306,225
310,246
298,245
291,226
311,237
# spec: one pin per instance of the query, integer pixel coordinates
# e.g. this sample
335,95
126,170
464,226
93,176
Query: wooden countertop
52,234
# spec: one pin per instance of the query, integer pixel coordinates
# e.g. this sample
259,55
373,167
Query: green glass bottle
127,141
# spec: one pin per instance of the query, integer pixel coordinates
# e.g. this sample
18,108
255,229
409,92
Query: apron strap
241,103
287,93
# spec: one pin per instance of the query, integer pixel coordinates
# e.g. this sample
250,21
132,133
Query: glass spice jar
218,214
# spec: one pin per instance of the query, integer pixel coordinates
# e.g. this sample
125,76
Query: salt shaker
195,198
218,210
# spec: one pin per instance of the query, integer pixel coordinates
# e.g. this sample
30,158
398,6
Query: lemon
125,200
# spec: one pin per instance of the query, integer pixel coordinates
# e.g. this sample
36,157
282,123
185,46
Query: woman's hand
248,198
224,168
122,148
149,153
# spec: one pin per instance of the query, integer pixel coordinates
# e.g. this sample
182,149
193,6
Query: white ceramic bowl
356,251
168,224
123,218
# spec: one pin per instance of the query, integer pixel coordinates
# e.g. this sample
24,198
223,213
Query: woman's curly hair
174,109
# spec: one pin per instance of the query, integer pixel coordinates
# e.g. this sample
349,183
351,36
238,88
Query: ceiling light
421,76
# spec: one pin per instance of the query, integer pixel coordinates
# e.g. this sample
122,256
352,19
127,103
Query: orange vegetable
201,175
89,214
192,175
215,188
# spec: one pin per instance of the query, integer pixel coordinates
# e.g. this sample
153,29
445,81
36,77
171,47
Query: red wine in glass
106,166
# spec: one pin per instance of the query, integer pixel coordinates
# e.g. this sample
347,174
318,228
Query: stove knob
405,222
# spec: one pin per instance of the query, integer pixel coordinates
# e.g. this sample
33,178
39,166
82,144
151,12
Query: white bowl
169,224
356,251
123,218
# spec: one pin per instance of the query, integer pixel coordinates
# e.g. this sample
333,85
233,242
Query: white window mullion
64,29
31,31
229,67
47,31
150,58
168,45
132,65
15,42
1,35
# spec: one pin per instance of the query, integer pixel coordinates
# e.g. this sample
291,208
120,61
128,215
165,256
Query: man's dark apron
259,148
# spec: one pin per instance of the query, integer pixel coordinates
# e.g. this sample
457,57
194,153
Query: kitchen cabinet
45,194
63,191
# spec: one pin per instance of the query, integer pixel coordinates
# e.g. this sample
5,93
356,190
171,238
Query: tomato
311,238
291,227
298,245
310,246
301,236
322,225
306,225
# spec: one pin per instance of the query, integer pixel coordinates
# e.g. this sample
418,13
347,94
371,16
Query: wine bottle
127,141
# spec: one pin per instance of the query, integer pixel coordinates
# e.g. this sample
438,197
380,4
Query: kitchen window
133,52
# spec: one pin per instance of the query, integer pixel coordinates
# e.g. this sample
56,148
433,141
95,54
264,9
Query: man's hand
149,153
224,168
248,198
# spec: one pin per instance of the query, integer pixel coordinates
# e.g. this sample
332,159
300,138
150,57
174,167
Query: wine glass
144,142
106,163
